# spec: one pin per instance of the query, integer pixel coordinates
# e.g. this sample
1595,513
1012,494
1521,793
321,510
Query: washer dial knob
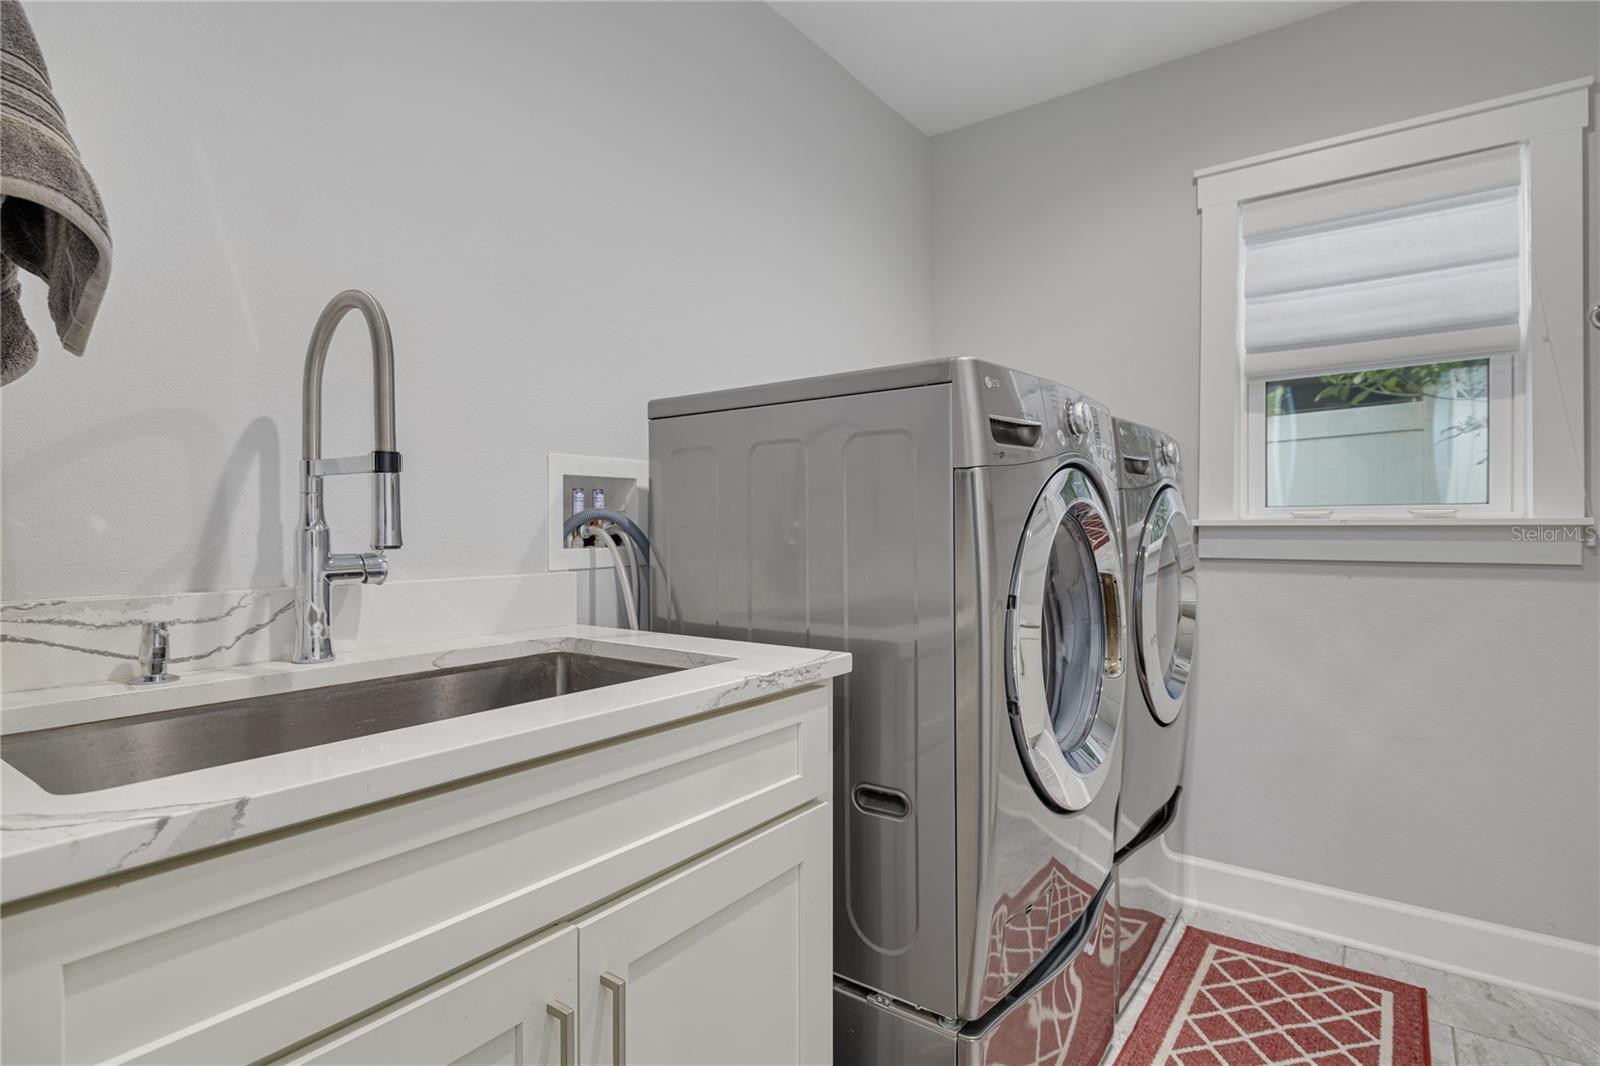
1079,417
1167,455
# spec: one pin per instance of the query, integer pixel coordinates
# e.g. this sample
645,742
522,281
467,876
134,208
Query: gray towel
52,222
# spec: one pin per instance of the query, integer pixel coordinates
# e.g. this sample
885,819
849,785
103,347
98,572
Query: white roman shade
1419,263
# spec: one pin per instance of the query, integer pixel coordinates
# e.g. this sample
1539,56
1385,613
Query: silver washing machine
1160,551
954,526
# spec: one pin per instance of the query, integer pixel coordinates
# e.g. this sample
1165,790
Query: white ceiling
946,64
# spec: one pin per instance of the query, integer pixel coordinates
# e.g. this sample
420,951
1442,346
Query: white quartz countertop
50,841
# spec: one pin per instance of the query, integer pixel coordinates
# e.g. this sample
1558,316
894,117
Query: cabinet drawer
266,943
513,1008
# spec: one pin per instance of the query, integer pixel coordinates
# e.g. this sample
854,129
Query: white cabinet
691,861
727,961
514,1009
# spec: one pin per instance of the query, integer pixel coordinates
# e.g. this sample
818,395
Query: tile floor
1472,1023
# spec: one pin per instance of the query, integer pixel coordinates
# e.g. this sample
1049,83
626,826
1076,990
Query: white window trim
1545,396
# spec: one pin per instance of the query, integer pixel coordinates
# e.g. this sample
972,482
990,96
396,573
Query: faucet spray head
385,501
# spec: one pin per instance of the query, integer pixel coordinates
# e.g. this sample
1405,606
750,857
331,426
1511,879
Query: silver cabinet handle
619,1017
566,1032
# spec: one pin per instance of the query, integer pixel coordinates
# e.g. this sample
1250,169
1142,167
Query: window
1407,436
1343,282
1391,323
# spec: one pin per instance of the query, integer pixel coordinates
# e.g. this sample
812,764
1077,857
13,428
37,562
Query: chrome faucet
317,567
154,648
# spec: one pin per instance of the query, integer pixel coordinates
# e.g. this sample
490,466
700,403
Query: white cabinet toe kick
583,909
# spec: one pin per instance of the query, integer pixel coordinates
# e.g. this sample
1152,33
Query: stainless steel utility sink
97,755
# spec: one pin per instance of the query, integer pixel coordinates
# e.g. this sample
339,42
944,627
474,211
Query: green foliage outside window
1466,379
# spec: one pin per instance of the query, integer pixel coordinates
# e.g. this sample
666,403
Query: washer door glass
1064,636
1164,604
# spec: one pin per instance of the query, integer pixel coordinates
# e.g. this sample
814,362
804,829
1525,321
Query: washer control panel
1007,416
1080,422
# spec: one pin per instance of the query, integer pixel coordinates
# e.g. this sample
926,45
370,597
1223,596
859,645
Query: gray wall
570,209
1424,734
566,208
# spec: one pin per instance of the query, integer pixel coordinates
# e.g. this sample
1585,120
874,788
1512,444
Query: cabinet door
728,960
513,1009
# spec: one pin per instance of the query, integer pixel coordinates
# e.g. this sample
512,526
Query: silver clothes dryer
1160,555
954,526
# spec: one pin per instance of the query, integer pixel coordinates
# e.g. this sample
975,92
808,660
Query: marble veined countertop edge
50,841
48,708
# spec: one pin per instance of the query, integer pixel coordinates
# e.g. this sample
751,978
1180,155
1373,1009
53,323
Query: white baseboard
1567,970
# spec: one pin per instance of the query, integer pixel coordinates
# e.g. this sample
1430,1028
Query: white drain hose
606,533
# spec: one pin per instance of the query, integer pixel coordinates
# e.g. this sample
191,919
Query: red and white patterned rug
1228,1002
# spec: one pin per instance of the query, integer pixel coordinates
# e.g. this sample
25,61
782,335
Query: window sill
1494,541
